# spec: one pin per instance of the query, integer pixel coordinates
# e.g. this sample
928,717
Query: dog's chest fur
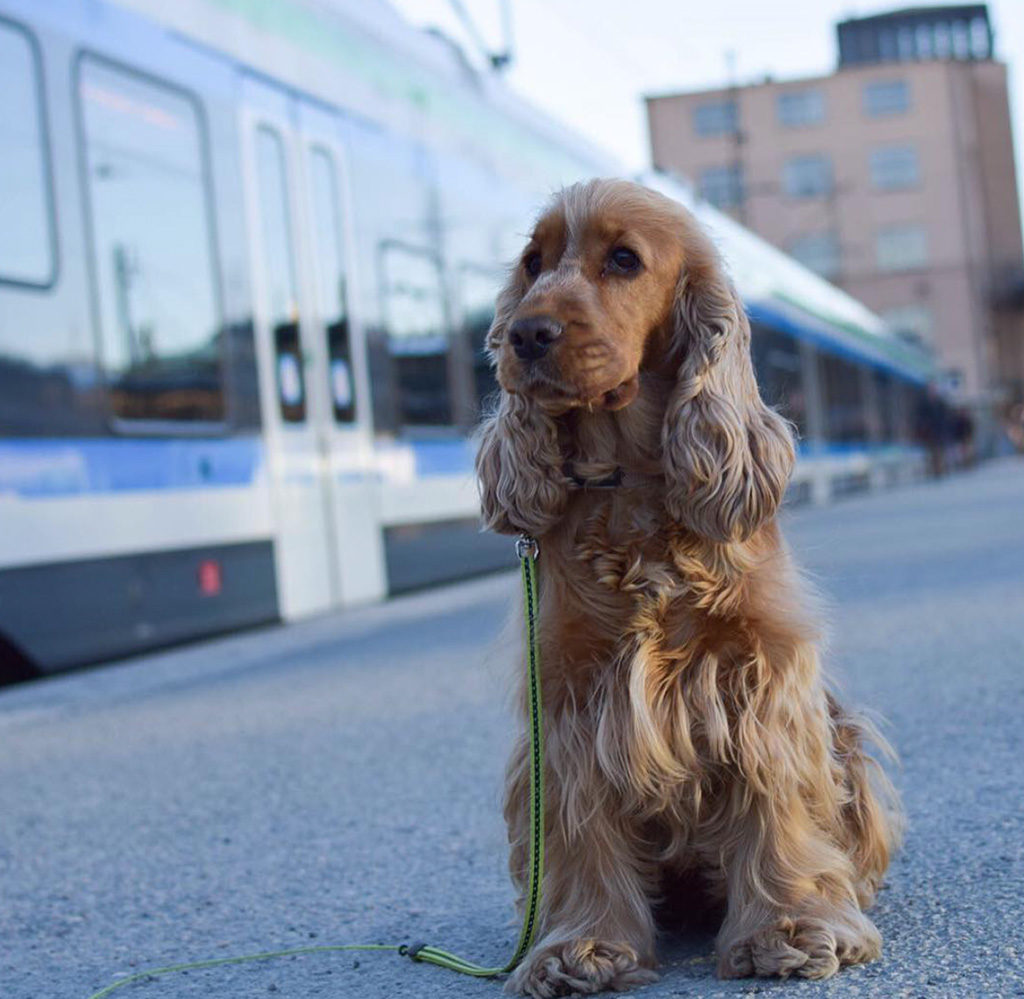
617,568
643,621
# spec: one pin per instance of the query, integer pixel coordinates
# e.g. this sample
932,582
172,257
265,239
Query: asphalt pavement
339,781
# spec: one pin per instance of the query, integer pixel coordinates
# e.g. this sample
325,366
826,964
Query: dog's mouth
556,396
622,395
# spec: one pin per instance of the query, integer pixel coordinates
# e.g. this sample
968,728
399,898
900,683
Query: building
893,177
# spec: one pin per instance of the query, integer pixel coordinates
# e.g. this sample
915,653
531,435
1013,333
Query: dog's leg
790,874
792,907
871,816
596,928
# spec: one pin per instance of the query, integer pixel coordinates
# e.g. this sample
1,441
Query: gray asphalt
339,780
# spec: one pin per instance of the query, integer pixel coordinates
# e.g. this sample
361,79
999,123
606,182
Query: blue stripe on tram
45,467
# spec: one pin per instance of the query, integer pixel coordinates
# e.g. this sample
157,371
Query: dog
688,727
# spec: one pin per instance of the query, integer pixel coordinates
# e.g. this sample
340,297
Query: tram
248,256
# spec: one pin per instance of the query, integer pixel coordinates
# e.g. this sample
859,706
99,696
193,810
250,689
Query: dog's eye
532,263
623,260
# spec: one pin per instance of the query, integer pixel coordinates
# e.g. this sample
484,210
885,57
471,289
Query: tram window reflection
158,311
418,340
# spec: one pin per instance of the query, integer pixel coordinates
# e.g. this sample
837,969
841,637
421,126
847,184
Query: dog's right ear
519,465
518,460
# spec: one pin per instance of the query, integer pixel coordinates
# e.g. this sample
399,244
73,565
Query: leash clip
527,547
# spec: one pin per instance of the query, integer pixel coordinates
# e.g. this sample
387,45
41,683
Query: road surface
339,781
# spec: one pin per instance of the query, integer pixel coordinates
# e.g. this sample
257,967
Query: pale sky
588,62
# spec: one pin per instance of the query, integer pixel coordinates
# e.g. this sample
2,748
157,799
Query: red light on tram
211,577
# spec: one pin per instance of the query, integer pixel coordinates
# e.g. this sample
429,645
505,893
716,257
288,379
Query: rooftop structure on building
915,34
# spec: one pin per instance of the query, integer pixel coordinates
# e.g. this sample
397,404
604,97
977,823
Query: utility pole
502,60
737,137
498,60
125,271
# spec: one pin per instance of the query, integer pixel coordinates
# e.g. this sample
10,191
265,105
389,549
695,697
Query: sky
589,62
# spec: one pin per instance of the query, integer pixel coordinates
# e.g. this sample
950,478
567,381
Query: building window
895,168
719,118
722,186
818,252
924,41
145,163
981,40
901,248
905,43
886,97
26,233
887,44
961,40
807,176
801,107
953,380
913,321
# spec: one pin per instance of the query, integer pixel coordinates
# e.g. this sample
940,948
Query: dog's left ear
728,457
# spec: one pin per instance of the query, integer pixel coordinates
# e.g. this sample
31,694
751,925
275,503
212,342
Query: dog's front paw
582,966
807,946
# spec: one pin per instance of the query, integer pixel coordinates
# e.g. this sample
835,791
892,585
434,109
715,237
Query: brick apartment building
893,178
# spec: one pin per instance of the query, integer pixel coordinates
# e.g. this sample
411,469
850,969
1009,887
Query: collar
580,481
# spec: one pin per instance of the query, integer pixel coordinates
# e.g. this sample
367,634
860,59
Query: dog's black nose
531,336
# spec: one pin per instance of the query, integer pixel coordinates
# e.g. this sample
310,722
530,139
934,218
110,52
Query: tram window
888,414
398,228
279,275
477,291
902,402
779,374
26,235
332,294
845,405
418,340
158,310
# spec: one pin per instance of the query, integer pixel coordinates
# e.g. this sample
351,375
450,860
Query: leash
527,550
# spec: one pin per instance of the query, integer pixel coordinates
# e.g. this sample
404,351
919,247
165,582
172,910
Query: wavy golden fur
688,726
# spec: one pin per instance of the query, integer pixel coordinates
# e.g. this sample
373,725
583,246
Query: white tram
248,254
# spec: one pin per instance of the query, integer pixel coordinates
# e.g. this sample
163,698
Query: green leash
527,550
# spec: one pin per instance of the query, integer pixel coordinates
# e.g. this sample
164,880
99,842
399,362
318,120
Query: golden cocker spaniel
688,728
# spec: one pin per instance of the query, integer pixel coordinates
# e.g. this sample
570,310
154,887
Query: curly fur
688,726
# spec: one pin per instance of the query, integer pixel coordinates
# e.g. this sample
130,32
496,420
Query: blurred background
249,251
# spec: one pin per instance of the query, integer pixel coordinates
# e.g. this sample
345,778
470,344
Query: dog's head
617,283
596,280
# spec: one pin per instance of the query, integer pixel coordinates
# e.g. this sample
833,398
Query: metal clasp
527,547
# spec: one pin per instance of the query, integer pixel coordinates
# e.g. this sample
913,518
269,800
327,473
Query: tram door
352,489
292,367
